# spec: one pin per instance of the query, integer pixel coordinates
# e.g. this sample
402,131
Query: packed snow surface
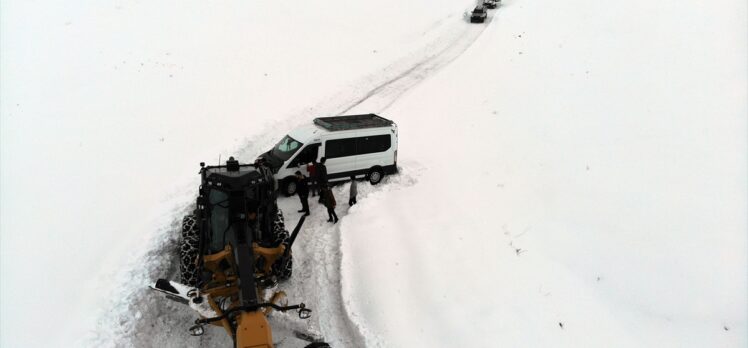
571,173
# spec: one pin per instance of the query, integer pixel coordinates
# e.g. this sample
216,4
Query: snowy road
453,39
321,278
317,278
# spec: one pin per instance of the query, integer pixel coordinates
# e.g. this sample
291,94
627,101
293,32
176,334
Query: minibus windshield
286,148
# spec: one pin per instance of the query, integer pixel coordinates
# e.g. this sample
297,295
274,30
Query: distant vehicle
359,145
478,15
491,3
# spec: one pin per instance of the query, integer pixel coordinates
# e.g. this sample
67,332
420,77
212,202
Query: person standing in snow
302,188
321,170
353,192
313,182
329,200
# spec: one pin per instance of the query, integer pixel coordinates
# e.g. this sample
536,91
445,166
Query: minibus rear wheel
375,175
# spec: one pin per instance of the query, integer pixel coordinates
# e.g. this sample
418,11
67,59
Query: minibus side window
373,144
340,148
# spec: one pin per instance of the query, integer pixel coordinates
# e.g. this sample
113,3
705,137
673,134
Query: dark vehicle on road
478,15
491,4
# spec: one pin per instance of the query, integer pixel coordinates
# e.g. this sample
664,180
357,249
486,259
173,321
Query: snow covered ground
607,154
572,173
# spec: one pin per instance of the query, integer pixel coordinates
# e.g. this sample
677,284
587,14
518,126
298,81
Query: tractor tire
188,250
280,233
283,269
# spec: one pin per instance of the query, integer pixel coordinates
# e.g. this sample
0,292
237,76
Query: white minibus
364,146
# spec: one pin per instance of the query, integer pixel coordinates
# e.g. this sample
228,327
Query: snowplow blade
186,295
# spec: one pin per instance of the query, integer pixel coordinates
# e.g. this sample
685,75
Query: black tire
375,176
317,345
189,250
283,268
288,187
280,233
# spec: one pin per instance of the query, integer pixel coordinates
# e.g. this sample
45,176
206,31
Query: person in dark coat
329,201
313,182
353,192
302,188
321,170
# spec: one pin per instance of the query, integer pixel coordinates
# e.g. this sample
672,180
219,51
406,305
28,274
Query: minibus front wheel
289,186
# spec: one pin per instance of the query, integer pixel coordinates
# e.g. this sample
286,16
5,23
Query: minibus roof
338,123
327,125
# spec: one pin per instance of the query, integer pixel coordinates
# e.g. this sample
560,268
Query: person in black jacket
321,170
302,188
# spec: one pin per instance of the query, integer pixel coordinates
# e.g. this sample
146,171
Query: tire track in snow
137,317
318,285
383,89
415,69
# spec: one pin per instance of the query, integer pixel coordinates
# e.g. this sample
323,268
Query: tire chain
188,250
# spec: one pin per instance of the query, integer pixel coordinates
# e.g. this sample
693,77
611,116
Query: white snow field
572,174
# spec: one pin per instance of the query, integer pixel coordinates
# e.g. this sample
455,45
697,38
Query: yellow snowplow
234,251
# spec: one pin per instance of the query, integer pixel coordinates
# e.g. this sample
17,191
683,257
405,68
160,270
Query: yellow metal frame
252,328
